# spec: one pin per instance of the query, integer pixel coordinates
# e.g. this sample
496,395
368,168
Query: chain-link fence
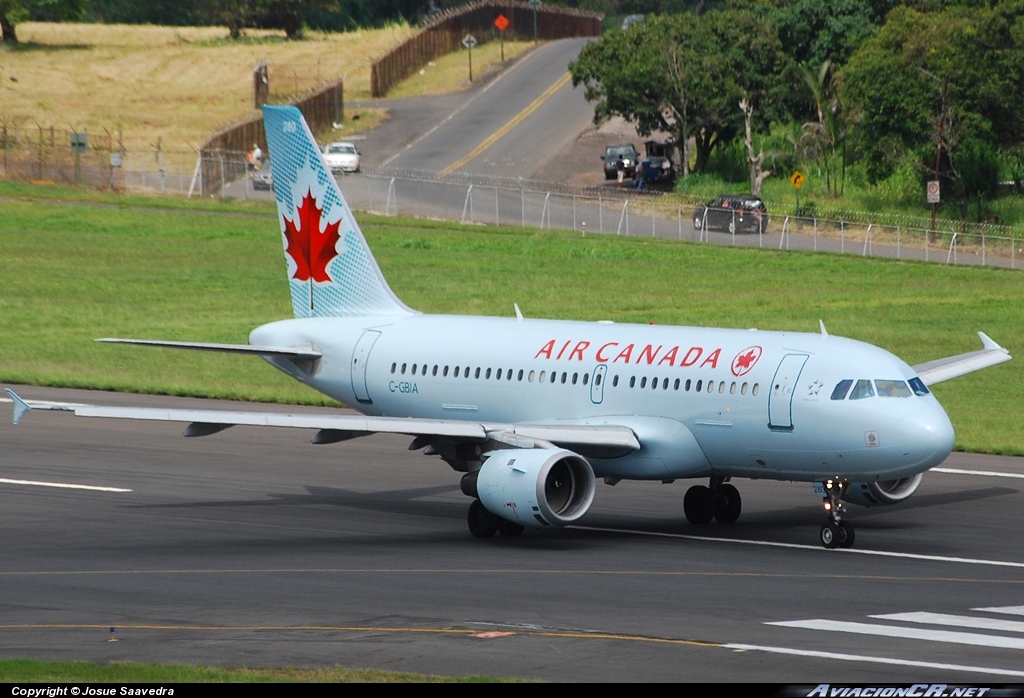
478,200
65,156
489,201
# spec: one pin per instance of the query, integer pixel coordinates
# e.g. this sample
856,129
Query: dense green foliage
290,15
878,87
14,11
684,74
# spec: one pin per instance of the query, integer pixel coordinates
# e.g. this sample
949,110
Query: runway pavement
253,547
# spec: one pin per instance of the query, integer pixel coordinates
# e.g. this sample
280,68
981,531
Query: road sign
469,41
501,23
79,143
933,192
797,179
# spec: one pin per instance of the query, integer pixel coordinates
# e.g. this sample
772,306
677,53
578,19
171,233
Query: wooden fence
222,157
444,35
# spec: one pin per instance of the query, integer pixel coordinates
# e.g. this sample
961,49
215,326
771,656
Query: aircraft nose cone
927,436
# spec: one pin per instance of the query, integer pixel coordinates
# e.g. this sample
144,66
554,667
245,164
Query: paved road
253,547
508,128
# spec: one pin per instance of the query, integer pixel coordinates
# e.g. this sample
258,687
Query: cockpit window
862,390
841,389
918,386
892,389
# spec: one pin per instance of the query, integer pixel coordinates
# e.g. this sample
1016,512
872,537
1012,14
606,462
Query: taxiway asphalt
253,547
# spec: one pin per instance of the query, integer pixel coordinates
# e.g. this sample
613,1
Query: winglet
20,406
821,324
987,342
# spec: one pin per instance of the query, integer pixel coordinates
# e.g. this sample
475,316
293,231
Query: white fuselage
702,401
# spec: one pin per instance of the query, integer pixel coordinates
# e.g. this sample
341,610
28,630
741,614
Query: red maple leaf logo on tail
311,249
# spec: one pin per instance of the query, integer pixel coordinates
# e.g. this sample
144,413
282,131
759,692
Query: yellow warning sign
797,179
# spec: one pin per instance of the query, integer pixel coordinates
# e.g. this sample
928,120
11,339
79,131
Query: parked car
657,164
629,158
342,157
732,213
262,179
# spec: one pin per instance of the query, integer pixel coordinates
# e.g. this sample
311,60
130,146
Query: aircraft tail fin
331,271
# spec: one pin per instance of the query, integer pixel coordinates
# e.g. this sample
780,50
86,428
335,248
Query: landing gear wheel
830,535
482,523
836,533
509,529
699,505
846,535
727,504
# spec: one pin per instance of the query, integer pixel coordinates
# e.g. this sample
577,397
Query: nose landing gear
836,533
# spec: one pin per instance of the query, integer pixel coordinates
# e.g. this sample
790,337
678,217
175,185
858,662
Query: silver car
342,157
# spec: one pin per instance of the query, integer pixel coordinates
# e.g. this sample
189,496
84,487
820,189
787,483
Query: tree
821,139
14,11
813,32
894,84
685,74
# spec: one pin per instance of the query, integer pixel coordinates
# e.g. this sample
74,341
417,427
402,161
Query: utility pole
938,137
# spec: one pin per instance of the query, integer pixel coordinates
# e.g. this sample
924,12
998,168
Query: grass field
76,272
178,83
25,670
182,83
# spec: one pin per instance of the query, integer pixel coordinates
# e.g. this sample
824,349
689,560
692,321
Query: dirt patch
580,164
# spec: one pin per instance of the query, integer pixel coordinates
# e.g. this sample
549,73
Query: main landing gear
836,533
720,501
484,524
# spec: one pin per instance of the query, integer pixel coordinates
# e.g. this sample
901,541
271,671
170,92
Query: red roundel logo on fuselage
745,360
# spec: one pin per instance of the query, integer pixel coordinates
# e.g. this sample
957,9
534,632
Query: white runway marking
877,660
61,485
948,636
985,473
1010,626
816,548
1011,610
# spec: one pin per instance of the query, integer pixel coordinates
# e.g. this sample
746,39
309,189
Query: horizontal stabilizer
307,352
955,366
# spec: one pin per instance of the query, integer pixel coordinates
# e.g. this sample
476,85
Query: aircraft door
597,384
360,356
780,399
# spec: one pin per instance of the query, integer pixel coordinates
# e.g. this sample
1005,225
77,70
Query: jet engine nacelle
882,492
536,487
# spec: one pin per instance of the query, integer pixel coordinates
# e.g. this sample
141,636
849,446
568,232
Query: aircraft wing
954,366
341,427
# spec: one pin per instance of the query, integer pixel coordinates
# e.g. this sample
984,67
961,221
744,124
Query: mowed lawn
74,272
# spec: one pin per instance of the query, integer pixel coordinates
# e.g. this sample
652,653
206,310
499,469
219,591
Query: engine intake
536,487
882,492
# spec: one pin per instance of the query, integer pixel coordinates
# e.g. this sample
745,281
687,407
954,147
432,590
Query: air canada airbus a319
533,412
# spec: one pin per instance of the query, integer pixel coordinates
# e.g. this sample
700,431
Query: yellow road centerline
513,122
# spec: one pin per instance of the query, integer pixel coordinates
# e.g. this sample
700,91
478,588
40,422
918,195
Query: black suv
732,213
630,158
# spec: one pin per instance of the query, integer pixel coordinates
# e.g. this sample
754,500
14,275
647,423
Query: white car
342,157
